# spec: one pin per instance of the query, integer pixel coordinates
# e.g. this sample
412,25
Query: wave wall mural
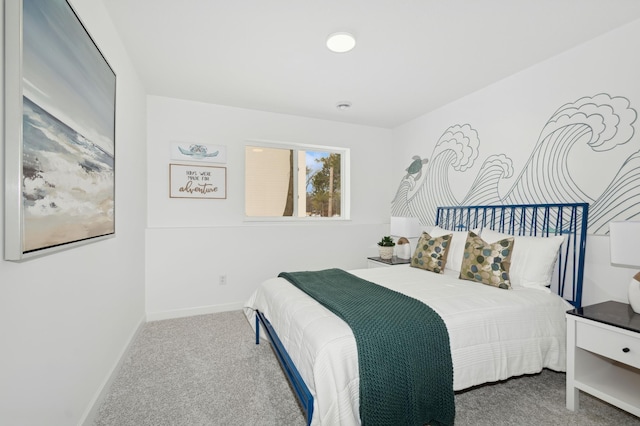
601,122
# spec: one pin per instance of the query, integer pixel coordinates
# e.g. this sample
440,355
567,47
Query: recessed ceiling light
344,105
341,42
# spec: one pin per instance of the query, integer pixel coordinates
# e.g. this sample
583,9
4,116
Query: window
295,181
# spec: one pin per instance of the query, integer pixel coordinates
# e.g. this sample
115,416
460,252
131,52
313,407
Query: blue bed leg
257,329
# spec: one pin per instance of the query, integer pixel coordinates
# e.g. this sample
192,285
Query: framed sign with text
205,182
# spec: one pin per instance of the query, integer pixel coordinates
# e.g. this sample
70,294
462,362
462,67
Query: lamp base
634,293
403,251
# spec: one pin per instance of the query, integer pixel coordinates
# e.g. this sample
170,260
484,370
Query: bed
494,333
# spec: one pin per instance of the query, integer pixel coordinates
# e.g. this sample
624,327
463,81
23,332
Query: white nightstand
603,355
377,262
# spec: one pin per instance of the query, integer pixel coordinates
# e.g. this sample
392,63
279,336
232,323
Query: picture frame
198,152
60,111
201,182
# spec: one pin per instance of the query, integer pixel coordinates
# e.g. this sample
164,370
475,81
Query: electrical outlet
222,280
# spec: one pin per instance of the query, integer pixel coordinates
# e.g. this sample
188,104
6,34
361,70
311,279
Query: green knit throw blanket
406,373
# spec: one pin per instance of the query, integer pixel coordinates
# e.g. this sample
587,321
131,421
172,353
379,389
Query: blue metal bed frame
299,386
541,220
521,220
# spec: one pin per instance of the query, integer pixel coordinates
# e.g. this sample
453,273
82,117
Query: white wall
66,318
510,115
191,242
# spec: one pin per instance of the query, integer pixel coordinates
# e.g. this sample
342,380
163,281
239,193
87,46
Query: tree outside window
294,182
324,182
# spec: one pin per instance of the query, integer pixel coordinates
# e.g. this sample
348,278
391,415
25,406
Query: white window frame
345,184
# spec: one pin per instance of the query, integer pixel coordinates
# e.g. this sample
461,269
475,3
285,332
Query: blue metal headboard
533,220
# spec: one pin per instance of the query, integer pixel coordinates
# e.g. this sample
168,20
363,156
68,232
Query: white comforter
494,334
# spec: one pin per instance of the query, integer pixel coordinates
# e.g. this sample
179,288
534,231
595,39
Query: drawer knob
625,350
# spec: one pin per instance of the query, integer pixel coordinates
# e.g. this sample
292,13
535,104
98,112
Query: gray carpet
207,370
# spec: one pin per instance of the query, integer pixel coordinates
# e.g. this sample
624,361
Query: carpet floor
207,370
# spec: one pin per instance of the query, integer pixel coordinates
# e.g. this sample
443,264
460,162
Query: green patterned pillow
487,263
431,252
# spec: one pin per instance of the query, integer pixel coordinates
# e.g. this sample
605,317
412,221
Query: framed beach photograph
60,100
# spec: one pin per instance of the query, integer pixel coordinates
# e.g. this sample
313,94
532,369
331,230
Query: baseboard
88,418
90,414
201,310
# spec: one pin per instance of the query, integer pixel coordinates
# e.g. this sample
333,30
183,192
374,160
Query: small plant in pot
385,248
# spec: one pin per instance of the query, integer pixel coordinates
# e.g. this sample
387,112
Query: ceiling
411,57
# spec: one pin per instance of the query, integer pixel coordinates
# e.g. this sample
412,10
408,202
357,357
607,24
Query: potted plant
385,248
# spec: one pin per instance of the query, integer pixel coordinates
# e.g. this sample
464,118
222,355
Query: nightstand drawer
610,343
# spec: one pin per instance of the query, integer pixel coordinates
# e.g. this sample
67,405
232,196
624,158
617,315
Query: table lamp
623,239
405,227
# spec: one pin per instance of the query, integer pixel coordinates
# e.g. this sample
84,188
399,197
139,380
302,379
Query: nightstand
377,262
603,355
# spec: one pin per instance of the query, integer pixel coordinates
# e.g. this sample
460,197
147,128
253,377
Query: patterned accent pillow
456,248
487,263
431,252
533,264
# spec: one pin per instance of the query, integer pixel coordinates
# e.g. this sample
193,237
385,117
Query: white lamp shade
408,227
624,240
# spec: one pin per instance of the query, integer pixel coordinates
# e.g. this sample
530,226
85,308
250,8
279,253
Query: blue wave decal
600,122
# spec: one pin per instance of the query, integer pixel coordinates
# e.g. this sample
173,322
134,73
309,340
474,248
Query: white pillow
456,249
533,259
